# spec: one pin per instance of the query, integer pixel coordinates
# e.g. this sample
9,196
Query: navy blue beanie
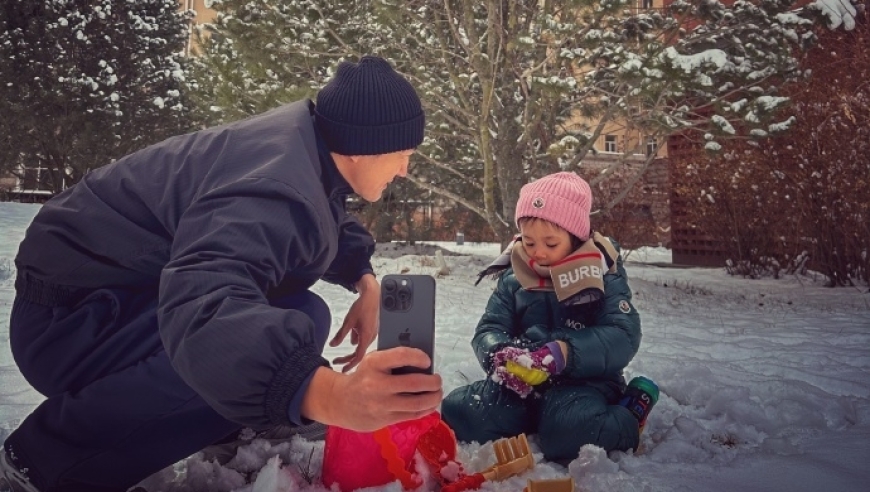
369,109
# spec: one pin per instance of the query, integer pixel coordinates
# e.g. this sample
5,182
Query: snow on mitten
530,376
520,369
501,375
548,358
536,367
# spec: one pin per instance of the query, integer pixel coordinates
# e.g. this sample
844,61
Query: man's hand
837,11
361,322
371,397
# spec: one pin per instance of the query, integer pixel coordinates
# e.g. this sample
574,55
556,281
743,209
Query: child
556,335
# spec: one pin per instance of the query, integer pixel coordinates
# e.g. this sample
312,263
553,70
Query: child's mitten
501,375
520,369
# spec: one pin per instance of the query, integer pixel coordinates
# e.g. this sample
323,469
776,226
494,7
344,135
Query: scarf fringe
500,264
492,271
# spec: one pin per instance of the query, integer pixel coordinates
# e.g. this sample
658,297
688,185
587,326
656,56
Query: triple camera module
397,294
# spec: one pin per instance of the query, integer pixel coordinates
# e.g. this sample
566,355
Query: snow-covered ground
765,384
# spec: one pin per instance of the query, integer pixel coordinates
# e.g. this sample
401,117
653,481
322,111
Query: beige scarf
576,279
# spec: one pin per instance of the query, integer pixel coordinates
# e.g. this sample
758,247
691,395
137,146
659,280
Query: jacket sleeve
607,346
355,249
246,358
495,328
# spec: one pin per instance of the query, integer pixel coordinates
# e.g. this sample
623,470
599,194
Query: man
162,303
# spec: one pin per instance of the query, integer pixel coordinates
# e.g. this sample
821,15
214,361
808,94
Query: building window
652,147
646,4
610,143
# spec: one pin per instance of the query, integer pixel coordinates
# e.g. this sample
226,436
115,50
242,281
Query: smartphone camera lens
389,285
404,295
390,302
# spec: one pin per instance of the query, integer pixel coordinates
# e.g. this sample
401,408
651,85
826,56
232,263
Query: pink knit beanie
564,199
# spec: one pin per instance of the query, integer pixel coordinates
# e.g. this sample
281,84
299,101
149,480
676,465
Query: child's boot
639,398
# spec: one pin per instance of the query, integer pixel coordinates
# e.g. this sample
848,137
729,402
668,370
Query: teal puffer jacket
578,406
602,337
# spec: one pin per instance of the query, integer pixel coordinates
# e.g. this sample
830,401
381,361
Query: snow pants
115,411
565,417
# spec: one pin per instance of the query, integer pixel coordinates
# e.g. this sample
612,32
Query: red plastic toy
355,460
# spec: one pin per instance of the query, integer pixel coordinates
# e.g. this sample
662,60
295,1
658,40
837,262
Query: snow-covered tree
258,54
775,203
519,88
83,82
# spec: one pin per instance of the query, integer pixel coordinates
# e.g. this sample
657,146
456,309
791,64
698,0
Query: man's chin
373,199
377,198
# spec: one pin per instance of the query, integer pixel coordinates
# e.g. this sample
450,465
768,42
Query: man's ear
348,159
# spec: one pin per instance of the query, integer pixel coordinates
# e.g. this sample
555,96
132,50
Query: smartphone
408,316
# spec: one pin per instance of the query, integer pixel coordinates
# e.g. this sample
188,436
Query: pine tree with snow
84,82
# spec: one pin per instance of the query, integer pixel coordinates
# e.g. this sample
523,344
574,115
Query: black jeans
115,411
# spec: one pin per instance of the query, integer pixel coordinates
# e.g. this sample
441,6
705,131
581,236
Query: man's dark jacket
223,219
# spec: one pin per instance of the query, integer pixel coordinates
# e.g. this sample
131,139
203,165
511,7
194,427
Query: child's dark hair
575,241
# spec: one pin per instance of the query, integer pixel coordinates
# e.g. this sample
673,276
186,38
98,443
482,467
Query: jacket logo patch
624,306
574,324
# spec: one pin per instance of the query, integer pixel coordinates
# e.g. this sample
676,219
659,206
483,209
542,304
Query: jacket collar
333,181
